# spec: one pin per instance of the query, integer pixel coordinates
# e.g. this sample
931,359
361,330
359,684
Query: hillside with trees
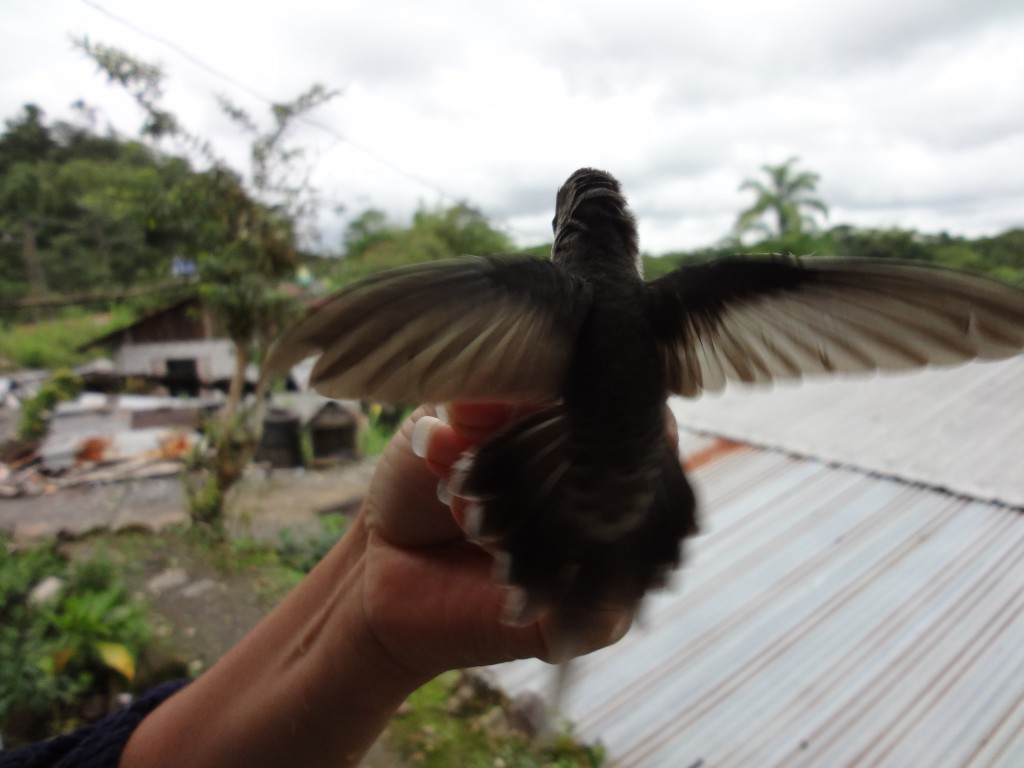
101,220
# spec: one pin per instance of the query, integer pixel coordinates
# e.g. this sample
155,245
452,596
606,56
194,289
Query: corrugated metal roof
957,428
829,616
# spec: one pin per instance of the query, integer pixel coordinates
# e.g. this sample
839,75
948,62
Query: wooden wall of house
185,321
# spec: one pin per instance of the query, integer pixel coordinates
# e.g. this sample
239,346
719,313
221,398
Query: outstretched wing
474,328
761,319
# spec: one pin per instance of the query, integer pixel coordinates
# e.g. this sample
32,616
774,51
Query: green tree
26,139
893,244
21,200
82,213
244,236
786,195
366,231
373,242
23,148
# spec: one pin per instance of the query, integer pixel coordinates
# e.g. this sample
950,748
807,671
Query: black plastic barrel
280,446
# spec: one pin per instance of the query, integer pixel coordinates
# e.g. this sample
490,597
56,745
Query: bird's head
591,217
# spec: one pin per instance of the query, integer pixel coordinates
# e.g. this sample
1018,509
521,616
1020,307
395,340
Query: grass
438,728
52,343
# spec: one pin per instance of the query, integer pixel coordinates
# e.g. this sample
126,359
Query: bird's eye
554,224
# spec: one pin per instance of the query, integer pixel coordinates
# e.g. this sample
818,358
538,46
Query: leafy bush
80,643
36,411
381,425
213,466
303,553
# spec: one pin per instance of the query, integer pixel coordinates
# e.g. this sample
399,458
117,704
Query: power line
340,137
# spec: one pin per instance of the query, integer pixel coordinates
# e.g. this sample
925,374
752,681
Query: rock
494,722
166,580
528,714
196,588
45,591
461,700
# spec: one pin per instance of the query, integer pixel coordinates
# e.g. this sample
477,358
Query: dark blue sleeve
98,745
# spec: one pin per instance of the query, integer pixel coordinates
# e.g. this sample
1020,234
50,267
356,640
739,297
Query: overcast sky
912,112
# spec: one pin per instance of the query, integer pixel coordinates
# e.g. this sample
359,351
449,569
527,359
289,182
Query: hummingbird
586,496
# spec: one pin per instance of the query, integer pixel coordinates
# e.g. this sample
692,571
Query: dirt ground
264,503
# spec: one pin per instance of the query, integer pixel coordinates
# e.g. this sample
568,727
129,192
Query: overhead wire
254,93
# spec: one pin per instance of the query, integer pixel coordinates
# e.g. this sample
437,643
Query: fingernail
460,471
442,414
515,607
473,521
622,626
421,435
520,609
443,494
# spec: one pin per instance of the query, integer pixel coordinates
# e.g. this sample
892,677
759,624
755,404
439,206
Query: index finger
477,420
402,502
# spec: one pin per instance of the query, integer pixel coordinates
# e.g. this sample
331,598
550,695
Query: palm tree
786,194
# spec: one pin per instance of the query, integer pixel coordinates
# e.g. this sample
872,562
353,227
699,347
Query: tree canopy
374,242
82,212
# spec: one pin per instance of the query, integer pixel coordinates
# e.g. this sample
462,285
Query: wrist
347,641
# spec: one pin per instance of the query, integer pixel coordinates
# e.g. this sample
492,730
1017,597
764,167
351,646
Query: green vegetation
213,466
381,424
60,652
50,343
82,213
64,660
457,719
65,657
1000,257
373,242
786,195
36,411
303,553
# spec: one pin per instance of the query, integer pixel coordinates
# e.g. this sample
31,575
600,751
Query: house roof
831,614
954,428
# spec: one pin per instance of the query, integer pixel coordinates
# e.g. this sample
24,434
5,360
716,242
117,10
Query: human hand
431,597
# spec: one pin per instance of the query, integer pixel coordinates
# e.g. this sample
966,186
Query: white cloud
910,111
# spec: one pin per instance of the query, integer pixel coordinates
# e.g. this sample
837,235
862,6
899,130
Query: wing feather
758,319
475,328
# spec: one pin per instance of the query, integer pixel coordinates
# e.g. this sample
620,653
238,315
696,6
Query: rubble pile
98,439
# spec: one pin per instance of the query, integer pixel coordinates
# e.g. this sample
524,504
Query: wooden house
178,346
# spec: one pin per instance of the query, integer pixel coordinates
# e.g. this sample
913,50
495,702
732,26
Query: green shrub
302,553
80,643
381,425
36,411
